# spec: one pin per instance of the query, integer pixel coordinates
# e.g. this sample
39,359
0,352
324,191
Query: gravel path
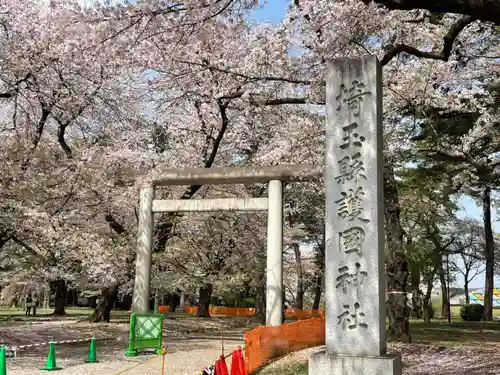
192,345
184,357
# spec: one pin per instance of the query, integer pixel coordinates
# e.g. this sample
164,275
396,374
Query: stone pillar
274,297
46,297
140,302
182,302
156,302
354,227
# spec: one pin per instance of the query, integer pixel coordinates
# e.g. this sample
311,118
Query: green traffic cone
92,358
50,365
3,363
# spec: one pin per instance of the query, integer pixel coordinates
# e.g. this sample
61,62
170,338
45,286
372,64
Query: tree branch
164,228
42,121
445,53
484,10
63,124
23,244
61,131
12,92
191,190
249,77
276,101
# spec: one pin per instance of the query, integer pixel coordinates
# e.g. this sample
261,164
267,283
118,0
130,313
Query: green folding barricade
146,332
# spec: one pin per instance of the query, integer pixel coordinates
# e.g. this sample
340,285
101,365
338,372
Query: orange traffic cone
217,368
222,366
235,368
241,362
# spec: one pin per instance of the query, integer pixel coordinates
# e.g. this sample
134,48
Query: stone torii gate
355,292
273,176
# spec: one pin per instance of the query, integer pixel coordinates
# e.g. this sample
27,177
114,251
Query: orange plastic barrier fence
265,343
219,310
231,311
304,314
243,311
163,309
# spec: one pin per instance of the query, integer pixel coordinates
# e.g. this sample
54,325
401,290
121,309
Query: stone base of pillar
325,364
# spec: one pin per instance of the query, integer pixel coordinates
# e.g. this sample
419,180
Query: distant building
459,299
478,297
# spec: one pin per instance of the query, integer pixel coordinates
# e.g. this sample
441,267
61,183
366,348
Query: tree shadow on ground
427,360
456,333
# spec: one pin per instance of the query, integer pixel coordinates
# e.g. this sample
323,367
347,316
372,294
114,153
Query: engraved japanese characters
355,298
353,96
352,170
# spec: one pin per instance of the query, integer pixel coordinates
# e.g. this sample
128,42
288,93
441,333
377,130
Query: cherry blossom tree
133,89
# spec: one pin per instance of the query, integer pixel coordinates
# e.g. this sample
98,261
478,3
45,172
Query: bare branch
249,77
12,92
445,53
484,10
164,228
276,101
23,244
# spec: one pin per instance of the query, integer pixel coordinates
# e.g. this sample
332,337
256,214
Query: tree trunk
35,305
153,302
397,264
60,299
444,291
416,294
466,286
299,268
427,310
182,301
102,312
205,294
318,287
260,298
46,297
489,254
175,300
319,260
126,302
427,305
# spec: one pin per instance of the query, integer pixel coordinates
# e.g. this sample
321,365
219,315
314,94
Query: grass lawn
456,333
290,369
79,312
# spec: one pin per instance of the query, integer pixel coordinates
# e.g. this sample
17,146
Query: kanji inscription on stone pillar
355,290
